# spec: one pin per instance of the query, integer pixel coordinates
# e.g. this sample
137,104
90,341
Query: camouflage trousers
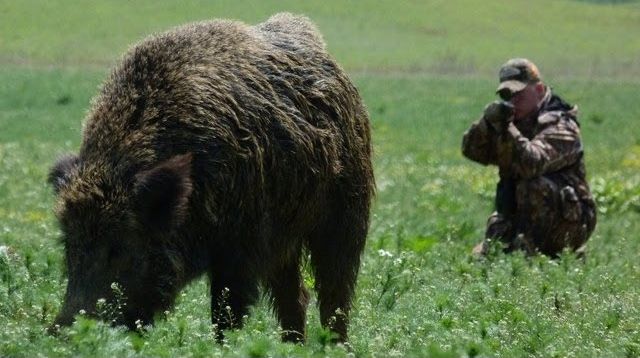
548,219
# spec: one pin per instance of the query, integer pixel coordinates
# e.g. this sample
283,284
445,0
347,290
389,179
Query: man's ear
60,173
161,194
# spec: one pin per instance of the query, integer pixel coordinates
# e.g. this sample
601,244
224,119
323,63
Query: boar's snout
110,310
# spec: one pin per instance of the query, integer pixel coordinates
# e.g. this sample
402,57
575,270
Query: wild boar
224,149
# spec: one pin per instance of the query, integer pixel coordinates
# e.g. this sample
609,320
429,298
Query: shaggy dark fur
224,149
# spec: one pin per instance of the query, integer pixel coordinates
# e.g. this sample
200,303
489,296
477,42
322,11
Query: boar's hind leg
232,292
335,256
290,300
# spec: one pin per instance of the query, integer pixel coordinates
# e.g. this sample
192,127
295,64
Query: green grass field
425,70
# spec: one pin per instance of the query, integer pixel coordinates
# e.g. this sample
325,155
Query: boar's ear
161,194
61,172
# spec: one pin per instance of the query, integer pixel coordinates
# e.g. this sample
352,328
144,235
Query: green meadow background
425,70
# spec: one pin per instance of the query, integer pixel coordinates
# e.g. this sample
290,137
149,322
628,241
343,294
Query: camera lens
505,95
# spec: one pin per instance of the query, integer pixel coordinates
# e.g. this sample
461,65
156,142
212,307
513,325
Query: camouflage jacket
546,144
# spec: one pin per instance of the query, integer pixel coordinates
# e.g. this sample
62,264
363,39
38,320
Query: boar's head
115,229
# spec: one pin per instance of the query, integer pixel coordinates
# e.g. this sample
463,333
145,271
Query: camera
498,112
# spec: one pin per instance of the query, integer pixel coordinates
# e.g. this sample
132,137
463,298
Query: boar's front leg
233,290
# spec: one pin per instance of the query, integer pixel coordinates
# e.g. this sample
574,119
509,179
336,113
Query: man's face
526,101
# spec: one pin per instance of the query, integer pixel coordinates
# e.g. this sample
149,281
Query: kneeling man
543,201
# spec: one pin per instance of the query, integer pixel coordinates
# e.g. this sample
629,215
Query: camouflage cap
517,73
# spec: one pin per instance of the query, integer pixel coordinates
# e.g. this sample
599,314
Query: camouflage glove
498,114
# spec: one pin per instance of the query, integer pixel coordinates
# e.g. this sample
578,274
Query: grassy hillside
569,38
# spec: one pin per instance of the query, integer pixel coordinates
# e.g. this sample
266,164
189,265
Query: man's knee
498,227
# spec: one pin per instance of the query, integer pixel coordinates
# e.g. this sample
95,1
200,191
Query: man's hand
498,114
